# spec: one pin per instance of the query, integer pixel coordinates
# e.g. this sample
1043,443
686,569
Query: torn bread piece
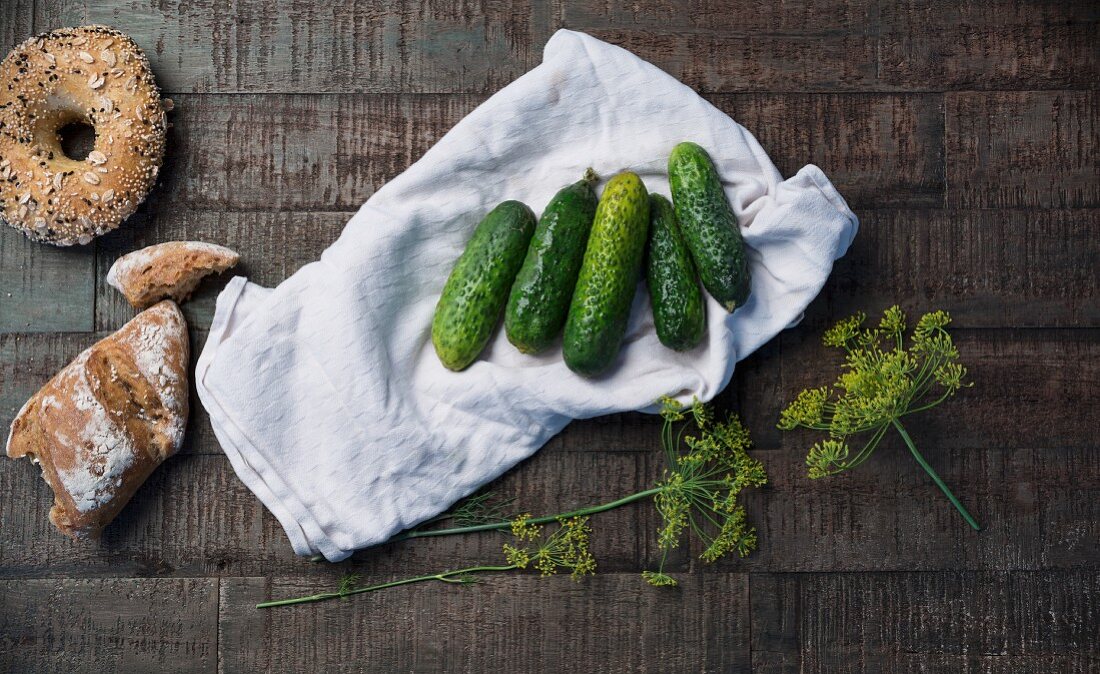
101,426
167,270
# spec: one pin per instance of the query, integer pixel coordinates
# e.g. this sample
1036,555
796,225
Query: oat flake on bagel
94,75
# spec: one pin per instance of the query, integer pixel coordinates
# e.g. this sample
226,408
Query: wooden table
964,134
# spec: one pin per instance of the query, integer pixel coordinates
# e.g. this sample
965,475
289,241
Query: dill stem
936,478
546,519
444,576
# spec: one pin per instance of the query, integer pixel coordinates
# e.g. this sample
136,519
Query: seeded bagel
93,75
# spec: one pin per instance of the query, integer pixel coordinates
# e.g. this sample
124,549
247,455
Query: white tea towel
326,393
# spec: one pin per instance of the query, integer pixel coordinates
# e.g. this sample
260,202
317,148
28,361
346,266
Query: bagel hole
77,140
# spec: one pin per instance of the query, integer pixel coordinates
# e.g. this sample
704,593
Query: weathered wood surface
522,623
109,625
330,153
965,136
949,622
1023,149
194,518
44,289
256,46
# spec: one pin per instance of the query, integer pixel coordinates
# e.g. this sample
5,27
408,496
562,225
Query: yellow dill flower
881,381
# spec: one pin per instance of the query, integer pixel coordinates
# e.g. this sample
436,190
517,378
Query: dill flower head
884,377
567,549
700,490
658,579
808,409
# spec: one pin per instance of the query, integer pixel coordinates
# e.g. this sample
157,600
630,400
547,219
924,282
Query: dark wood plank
609,623
1029,388
1042,372
838,45
113,625
988,268
16,23
44,288
889,515
1023,149
797,17
726,62
320,153
194,517
989,45
880,150
834,45
330,153
259,46
919,622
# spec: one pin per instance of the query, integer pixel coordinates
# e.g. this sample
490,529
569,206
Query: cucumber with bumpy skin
679,313
477,288
608,278
709,225
539,301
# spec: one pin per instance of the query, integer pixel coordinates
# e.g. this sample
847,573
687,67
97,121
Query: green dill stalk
698,491
936,478
881,381
566,549
505,524
348,588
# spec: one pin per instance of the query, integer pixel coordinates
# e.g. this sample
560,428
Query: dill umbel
884,378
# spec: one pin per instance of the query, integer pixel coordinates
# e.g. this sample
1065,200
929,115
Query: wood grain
1023,149
879,150
254,46
110,625
330,153
1040,373
989,268
726,62
989,45
845,45
15,23
887,515
507,623
194,517
918,622
44,288
315,153
834,45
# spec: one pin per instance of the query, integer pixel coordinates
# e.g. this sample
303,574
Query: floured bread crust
101,426
167,270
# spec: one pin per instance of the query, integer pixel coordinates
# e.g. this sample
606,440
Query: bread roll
167,270
105,421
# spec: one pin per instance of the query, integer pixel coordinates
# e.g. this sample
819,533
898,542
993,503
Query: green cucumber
679,313
539,301
709,226
477,288
608,278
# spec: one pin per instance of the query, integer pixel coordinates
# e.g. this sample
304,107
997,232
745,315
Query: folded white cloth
326,393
